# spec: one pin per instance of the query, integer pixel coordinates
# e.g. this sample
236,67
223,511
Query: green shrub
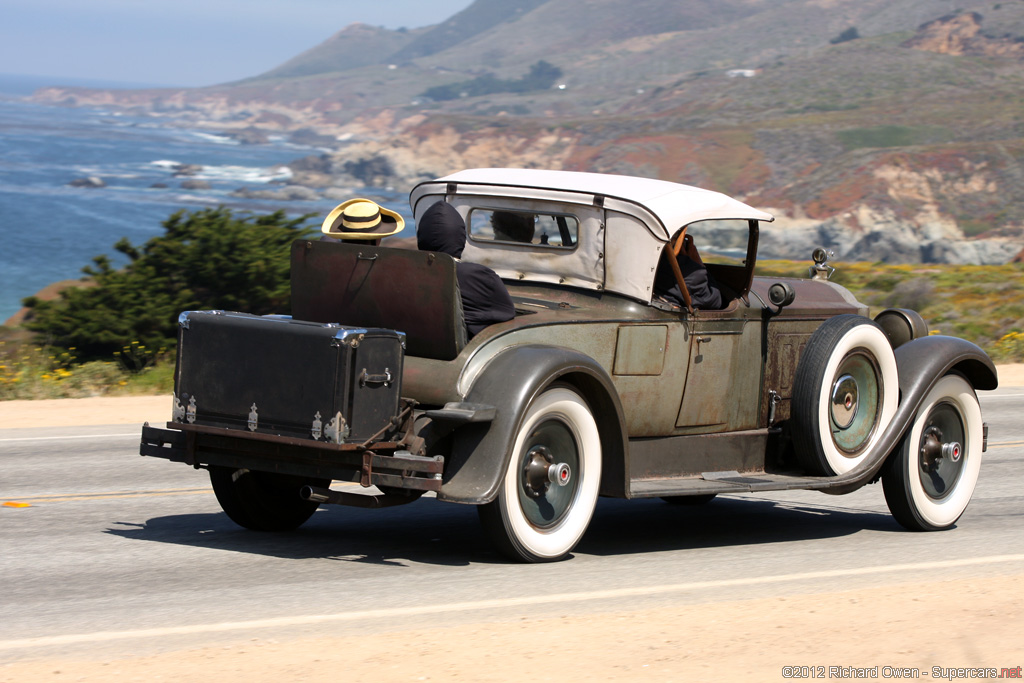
542,76
892,136
208,259
917,294
849,34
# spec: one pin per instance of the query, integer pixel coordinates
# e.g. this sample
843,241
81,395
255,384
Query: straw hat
361,219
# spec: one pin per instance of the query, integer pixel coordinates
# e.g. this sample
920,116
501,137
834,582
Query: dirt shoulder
80,412
103,410
968,622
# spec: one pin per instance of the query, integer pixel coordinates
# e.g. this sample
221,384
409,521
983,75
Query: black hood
441,228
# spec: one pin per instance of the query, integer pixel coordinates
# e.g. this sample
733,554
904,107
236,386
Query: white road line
76,436
499,603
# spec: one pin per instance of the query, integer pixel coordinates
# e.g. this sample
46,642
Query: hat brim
390,224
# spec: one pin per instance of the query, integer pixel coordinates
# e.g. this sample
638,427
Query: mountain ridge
884,130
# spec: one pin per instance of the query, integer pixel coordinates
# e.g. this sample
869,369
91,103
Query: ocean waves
49,229
231,172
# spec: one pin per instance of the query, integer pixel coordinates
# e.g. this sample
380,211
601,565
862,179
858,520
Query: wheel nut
559,474
952,451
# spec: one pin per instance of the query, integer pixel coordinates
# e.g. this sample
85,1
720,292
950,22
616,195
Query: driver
704,291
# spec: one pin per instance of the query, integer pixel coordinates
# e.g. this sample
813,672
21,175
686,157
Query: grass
983,304
892,136
35,372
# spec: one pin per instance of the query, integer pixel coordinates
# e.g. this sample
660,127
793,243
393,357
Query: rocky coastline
884,209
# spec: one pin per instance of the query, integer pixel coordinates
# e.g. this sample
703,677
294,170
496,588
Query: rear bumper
381,463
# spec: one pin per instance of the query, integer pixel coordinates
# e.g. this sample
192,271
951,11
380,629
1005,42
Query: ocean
49,230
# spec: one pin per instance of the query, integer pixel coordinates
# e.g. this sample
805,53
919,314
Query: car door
722,391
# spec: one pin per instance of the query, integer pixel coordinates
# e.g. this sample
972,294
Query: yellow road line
64,497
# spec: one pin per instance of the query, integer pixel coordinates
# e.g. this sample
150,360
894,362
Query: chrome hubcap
844,401
854,403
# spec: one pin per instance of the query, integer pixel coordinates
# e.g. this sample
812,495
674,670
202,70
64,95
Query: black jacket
704,291
484,298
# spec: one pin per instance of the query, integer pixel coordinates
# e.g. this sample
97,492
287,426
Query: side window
555,231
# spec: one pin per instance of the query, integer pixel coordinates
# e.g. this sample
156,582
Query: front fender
929,358
511,380
921,363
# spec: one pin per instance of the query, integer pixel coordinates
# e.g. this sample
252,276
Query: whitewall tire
930,479
549,489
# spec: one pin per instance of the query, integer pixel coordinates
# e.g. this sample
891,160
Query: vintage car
600,385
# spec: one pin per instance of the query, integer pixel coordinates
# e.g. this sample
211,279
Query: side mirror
781,294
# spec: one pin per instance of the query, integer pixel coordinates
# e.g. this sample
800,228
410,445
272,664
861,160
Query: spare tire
846,392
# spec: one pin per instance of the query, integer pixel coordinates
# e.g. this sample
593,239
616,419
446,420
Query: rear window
552,231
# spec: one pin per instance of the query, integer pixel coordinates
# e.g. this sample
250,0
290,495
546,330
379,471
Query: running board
723,482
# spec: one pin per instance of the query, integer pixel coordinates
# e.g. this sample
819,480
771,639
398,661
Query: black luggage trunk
276,375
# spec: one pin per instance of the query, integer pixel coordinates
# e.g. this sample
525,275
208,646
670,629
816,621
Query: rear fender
480,451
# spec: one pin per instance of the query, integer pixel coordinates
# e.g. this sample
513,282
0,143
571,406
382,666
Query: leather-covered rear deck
415,292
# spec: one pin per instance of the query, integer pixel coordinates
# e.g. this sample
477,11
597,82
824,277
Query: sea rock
376,170
186,169
312,138
319,163
290,193
90,181
885,242
193,184
311,178
249,136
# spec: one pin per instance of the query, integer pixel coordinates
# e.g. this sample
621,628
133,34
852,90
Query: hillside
887,131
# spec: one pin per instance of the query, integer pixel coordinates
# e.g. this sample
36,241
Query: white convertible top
624,222
674,204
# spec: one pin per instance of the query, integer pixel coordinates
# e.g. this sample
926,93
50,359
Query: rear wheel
845,394
930,479
263,501
550,486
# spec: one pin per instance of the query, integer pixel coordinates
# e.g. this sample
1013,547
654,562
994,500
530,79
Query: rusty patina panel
640,349
786,341
723,386
647,400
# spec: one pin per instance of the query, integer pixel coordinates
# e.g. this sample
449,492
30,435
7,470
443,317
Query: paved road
132,554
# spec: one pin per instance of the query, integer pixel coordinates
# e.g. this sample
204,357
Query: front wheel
929,480
263,501
549,489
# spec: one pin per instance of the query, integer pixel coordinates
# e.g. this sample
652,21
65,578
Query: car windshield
721,241
557,231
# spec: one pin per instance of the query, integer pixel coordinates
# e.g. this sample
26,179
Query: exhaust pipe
322,495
